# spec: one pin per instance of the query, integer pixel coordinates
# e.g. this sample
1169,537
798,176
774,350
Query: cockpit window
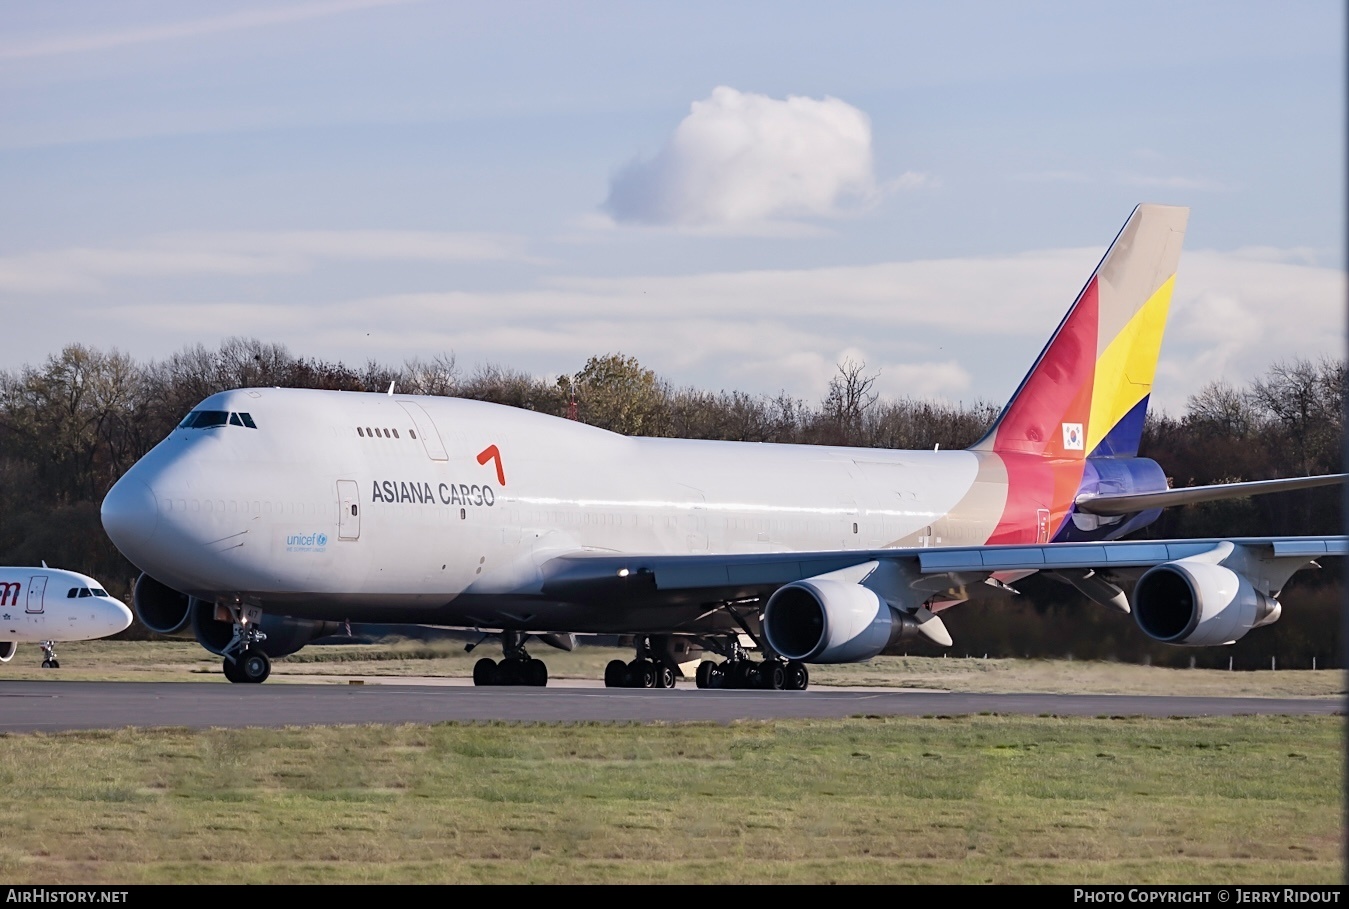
99,592
205,419
84,592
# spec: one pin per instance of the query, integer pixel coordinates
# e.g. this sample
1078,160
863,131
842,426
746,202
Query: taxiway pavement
55,705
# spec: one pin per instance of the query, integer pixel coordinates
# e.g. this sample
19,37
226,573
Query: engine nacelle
823,620
1199,603
7,650
160,608
285,635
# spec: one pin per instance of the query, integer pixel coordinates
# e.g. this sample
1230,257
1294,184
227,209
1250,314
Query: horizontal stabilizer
1135,502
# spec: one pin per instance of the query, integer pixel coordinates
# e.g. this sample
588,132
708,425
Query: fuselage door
348,510
37,586
426,430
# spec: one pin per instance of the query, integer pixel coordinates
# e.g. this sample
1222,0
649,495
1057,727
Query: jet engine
824,620
285,635
159,607
7,650
1199,603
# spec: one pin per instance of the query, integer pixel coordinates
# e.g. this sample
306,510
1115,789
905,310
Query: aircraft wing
601,576
917,583
1134,502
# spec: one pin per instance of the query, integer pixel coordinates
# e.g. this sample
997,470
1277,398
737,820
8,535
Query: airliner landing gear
49,660
648,670
739,671
244,660
516,667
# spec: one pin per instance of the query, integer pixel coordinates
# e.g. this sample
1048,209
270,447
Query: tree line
71,426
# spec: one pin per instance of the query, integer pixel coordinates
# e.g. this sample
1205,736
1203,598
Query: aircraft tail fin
1087,394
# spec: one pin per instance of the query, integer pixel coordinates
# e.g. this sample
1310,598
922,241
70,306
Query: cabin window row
366,432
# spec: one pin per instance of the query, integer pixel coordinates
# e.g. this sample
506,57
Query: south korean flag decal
1072,437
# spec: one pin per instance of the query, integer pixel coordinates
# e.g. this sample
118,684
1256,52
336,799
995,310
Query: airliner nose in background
48,605
270,516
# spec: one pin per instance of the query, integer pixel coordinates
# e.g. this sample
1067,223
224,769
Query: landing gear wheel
798,677
231,671
773,676
56,664
485,672
254,666
642,673
665,677
535,673
703,677
508,672
616,674
47,664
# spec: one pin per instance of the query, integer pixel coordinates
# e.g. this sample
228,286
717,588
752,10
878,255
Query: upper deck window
205,419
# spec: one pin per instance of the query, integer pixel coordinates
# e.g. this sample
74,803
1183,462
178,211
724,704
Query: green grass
965,799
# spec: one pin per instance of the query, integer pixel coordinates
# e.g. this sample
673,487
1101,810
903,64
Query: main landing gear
647,670
49,660
245,662
739,671
516,667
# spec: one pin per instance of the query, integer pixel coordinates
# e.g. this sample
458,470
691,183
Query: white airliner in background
47,605
270,516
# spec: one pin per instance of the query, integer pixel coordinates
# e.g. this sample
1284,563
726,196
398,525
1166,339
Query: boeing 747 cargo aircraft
272,515
47,605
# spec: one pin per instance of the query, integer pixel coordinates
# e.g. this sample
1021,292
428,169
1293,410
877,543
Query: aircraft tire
772,676
485,672
702,677
616,674
536,673
798,676
642,673
665,677
509,672
254,666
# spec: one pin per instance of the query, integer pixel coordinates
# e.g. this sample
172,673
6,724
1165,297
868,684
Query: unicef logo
321,540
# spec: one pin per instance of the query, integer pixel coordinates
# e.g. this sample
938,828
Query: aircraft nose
115,615
130,513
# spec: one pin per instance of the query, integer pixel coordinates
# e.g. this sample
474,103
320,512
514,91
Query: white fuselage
371,499
49,604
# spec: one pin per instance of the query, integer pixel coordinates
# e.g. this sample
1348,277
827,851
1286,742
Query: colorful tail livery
1086,397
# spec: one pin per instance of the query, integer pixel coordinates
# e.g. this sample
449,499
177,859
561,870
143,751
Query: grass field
861,800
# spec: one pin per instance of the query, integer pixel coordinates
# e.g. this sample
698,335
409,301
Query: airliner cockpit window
205,419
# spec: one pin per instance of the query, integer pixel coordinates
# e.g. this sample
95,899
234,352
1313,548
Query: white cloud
741,159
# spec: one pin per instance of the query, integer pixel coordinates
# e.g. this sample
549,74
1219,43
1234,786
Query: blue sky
740,195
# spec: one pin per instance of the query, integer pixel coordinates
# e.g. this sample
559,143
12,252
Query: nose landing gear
245,662
49,660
